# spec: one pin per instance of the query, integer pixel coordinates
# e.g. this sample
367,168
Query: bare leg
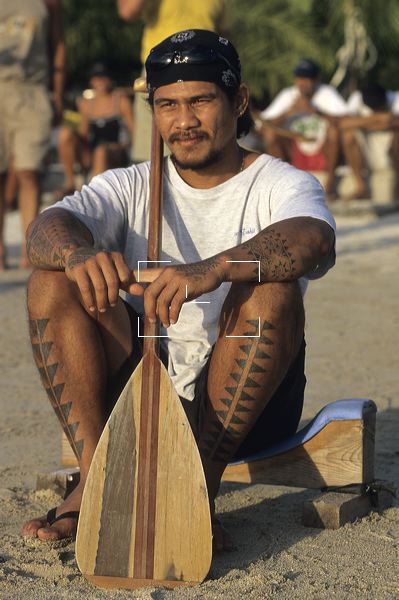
2,211
100,160
354,159
394,154
68,153
11,186
331,153
76,354
276,145
28,199
245,372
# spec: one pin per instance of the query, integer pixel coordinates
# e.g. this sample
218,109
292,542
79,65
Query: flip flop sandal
51,518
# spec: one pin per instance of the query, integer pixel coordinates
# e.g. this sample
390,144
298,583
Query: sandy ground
352,334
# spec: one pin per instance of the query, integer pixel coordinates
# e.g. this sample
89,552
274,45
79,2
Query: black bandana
193,55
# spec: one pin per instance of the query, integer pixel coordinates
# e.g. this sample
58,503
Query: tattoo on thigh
47,369
242,396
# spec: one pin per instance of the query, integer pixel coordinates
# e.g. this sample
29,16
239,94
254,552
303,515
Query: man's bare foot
222,540
61,529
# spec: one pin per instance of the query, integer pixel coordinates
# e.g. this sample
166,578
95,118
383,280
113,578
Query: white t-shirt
357,107
197,224
326,99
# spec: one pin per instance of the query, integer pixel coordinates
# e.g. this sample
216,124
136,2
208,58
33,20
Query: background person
31,50
102,139
372,130
312,109
162,18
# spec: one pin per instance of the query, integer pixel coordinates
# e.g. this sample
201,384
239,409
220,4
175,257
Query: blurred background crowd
323,74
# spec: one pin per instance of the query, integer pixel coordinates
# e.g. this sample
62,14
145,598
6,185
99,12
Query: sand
353,349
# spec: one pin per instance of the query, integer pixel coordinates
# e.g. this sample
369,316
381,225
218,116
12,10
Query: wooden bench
334,451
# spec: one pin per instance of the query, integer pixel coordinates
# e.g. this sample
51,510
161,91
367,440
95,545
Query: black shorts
278,421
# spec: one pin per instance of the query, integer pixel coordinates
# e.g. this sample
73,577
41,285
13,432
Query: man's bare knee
263,295
280,304
49,290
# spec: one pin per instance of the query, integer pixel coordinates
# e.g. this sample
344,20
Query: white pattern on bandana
223,40
229,78
182,36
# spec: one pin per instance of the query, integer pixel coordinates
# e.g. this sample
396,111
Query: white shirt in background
326,99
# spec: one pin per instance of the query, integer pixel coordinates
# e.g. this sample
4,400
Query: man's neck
218,172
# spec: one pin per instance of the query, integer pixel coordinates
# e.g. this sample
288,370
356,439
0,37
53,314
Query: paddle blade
145,517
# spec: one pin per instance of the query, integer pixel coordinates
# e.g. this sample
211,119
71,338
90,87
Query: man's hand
99,275
169,288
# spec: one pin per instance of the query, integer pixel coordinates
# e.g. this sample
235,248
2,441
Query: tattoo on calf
226,431
41,352
272,252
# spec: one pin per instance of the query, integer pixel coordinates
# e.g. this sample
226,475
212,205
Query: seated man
312,110
244,230
371,133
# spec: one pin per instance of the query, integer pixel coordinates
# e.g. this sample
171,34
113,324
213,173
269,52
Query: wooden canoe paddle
145,516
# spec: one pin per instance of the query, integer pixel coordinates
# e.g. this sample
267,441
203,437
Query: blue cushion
340,410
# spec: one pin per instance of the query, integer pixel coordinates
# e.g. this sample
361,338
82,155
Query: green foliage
272,35
94,32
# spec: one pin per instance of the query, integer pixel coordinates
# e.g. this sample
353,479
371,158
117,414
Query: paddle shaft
151,330
150,390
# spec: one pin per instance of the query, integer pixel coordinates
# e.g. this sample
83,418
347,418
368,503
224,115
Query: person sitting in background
374,109
102,138
312,110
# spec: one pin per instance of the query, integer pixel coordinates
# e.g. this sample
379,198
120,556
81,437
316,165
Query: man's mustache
182,137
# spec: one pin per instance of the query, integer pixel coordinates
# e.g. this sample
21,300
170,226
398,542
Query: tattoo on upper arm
48,371
52,236
274,256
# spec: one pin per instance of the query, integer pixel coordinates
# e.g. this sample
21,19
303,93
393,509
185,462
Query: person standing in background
32,51
162,18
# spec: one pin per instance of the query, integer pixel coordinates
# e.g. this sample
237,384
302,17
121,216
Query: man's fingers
99,285
111,276
124,273
82,280
170,296
175,307
150,300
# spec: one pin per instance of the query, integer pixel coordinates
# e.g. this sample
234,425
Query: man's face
306,85
196,120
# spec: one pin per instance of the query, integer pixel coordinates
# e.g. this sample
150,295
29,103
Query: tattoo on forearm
79,256
47,369
52,236
272,252
198,270
233,420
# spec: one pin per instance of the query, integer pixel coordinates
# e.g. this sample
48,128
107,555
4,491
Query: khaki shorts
25,125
